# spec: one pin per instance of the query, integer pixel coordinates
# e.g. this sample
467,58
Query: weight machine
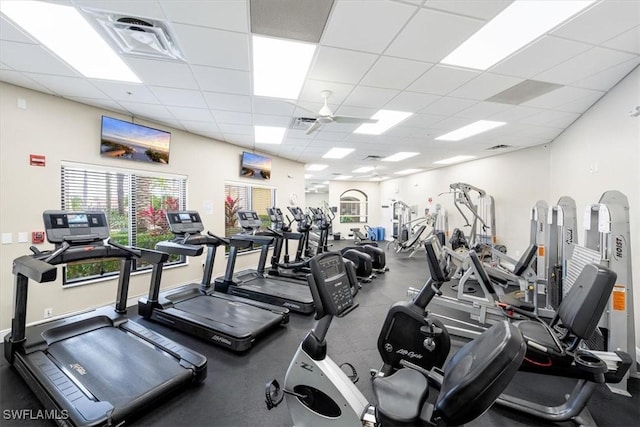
483,216
607,233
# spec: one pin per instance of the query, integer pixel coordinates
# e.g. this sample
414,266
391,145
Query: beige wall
63,130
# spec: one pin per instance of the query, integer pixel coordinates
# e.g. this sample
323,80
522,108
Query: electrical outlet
48,312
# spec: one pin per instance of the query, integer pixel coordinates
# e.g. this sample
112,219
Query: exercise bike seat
400,396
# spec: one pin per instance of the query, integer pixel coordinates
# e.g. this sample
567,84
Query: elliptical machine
319,393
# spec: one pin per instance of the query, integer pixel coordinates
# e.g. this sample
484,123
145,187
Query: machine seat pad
400,396
537,332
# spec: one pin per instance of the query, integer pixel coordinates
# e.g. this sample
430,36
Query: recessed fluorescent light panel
64,31
307,175
363,169
408,171
386,120
316,167
455,159
341,177
474,128
269,134
280,66
517,25
338,153
403,155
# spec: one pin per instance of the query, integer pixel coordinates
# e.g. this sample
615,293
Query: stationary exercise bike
319,392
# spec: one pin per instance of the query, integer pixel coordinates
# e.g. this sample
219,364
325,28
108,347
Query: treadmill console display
181,222
249,220
75,227
297,213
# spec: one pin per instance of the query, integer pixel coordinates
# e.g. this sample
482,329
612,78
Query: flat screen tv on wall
131,141
255,166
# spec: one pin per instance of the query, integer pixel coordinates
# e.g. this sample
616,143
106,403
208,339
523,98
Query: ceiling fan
325,115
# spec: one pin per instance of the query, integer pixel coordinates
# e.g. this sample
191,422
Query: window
353,206
246,197
135,204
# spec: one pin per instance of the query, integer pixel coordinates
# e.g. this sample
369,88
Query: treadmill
226,320
96,368
254,284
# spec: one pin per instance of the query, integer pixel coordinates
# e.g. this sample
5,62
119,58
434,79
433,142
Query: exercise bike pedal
354,374
274,394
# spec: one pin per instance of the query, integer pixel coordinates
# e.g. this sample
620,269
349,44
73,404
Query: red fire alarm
37,237
37,160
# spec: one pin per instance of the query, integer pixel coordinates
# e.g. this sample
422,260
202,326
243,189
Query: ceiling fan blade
315,125
303,108
348,119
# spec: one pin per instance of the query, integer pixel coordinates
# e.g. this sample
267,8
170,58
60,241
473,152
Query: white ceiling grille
148,38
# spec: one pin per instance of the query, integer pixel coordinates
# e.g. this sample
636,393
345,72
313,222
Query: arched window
353,206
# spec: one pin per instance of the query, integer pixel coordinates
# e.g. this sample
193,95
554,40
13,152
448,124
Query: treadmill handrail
255,238
34,269
177,248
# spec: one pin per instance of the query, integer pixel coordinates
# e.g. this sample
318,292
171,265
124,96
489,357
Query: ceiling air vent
499,147
147,38
372,157
301,123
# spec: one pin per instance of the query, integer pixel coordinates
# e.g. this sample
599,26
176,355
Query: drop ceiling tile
343,128
515,114
431,35
394,73
200,127
423,121
628,41
485,86
194,114
558,119
605,80
406,132
347,28
33,58
214,48
240,139
163,73
482,9
312,91
263,105
231,129
339,65
561,96
138,9
179,97
19,79
221,14
581,105
271,120
229,102
584,65
10,32
451,123
228,117
448,106
483,110
298,134
121,91
602,22
155,112
441,80
539,56
410,101
223,80
327,136
68,86
100,103
363,96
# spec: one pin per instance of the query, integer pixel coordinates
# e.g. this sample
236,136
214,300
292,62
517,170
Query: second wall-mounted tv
134,142
255,166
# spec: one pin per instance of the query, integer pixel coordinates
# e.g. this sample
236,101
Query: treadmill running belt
114,366
241,318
